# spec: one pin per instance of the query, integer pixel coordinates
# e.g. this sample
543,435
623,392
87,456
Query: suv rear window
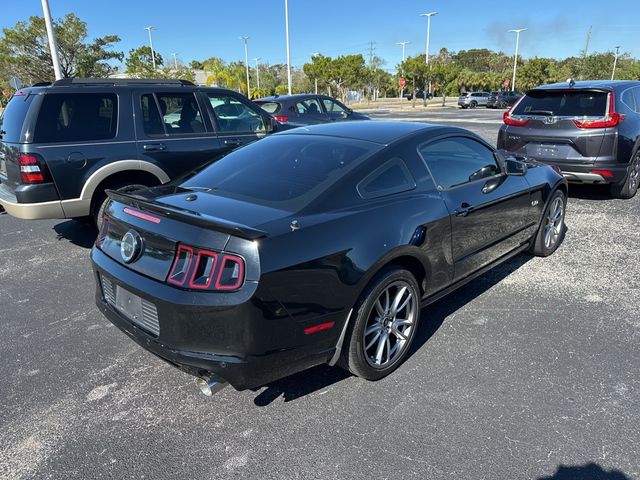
76,117
575,103
13,117
269,107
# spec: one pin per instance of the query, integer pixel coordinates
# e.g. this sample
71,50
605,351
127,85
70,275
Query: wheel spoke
398,333
402,321
379,308
398,299
379,351
404,304
373,340
388,345
372,328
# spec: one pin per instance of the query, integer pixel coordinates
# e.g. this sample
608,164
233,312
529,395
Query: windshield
576,103
283,171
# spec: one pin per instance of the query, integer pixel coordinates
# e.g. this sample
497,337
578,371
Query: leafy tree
537,71
139,64
24,50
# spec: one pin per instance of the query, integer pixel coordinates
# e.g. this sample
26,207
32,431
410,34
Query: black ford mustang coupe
316,245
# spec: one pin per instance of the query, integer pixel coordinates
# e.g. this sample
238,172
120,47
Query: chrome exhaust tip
209,386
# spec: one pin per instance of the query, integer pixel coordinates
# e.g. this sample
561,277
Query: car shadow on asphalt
589,192
590,471
321,377
79,233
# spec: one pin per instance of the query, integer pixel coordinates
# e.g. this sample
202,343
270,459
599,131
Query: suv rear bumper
29,211
588,174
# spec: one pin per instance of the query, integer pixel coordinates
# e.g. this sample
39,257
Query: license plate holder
129,305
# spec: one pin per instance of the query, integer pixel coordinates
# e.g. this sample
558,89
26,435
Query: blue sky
197,30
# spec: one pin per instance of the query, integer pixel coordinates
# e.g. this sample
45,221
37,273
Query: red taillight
514,122
201,267
611,119
142,215
31,169
603,173
281,118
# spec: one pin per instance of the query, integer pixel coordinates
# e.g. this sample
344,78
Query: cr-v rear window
13,117
574,103
76,117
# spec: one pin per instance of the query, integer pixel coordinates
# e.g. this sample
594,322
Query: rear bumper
29,211
586,174
242,344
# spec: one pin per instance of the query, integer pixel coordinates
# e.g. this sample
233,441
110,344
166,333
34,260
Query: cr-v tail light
32,169
611,118
281,118
514,122
206,270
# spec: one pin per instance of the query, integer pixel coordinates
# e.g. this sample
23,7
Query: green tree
139,63
24,50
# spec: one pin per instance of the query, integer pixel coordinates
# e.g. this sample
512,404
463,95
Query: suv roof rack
121,81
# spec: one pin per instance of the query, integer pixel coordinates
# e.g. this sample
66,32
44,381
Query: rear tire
384,326
629,187
100,200
473,104
551,231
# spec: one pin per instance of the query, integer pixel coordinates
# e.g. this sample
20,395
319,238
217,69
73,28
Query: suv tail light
32,169
206,270
281,118
611,118
514,122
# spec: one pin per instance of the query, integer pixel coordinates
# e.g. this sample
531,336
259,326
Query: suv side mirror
515,167
271,124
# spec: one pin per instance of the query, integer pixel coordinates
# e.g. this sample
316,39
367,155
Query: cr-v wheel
386,318
629,187
551,231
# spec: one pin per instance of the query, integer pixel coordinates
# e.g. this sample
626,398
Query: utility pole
585,54
615,61
175,60
246,63
515,57
149,29
53,47
257,59
286,27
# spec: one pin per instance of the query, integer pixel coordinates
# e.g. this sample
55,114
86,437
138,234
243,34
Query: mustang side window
391,177
458,160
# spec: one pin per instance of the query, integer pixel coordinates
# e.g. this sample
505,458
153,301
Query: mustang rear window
575,103
283,171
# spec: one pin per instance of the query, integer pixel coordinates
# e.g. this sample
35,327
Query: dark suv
503,99
63,144
590,130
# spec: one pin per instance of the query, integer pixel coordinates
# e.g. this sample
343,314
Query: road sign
15,83
402,82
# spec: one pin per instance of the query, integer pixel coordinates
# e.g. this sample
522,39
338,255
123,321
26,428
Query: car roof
380,132
604,84
283,98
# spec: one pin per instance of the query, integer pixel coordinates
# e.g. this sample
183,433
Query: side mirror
515,167
271,124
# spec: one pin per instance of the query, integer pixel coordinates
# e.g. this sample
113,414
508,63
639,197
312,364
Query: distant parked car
421,94
307,109
473,99
316,245
589,130
63,144
503,99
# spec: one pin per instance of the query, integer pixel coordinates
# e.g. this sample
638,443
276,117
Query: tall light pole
515,57
175,60
149,29
426,53
315,54
615,61
403,44
257,59
286,27
246,62
53,47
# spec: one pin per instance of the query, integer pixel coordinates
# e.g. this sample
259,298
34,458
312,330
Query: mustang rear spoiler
186,216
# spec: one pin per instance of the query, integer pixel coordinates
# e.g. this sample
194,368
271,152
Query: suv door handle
154,147
233,142
463,210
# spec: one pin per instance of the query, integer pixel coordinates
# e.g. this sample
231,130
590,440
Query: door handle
233,142
154,147
463,210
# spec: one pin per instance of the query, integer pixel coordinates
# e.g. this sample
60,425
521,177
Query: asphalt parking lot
531,368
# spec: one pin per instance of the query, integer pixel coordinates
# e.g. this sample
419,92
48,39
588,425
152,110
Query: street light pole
314,54
426,53
515,57
615,61
53,47
246,62
286,27
175,60
149,29
403,44
257,59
